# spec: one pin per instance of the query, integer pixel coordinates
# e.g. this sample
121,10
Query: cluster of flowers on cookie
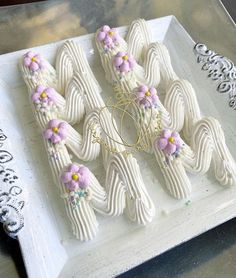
77,180
146,97
169,142
109,37
44,98
33,61
56,131
124,62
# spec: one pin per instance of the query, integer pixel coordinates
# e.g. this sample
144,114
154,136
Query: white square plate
48,246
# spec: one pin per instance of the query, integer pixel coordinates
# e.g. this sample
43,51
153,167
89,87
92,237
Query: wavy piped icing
125,165
149,74
138,39
180,111
208,145
157,57
83,219
125,189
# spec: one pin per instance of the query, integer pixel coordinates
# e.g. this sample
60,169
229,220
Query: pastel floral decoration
169,142
124,62
33,61
43,94
76,177
147,97
109,37
56,131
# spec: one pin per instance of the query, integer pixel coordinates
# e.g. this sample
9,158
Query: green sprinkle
188,203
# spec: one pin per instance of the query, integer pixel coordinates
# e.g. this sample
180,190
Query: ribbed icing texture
180,112
124,187
139,40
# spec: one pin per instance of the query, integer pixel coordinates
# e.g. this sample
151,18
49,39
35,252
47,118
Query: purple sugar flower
169,142
56,131
33,61
147,96
43,94
108,36
124,62
76,176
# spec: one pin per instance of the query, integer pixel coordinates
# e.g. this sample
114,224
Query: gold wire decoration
142,124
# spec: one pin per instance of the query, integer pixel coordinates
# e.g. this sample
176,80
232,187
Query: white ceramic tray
48,246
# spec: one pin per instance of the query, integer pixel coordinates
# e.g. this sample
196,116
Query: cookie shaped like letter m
137,69
60,98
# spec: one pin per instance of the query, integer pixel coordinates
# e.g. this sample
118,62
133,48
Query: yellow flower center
34,59
55,129
125,57
110,33
75,177
171,139
147,94
43,95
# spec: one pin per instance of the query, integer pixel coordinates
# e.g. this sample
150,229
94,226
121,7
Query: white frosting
176,179
180,112
179,92
158,62
206,137
125,166
138,39
83,219
181,107
124,184
67,64
208,144
46,76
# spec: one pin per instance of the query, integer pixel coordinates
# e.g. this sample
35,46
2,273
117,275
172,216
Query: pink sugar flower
124,62
76,177
43,94
33,61
109,36
56,131
169,142
147,97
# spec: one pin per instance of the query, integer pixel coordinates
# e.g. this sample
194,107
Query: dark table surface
212,254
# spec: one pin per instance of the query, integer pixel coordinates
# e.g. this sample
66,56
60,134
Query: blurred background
23,26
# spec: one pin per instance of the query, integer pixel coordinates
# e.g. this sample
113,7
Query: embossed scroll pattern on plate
220,69
10,203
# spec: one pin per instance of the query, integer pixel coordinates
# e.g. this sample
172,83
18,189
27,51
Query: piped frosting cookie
139,79
75,92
